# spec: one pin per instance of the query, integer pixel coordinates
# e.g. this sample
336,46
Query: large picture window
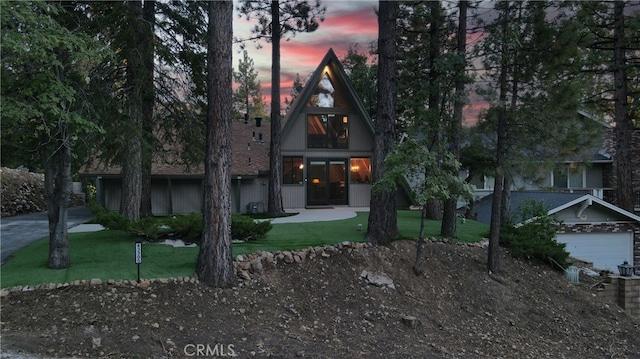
360,170
328,131
292,170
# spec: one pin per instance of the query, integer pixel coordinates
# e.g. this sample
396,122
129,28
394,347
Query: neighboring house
588,172
178,189
326,144
592,229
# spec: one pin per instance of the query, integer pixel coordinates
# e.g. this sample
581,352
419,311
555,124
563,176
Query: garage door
605,250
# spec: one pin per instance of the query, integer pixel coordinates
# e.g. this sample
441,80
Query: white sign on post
138,252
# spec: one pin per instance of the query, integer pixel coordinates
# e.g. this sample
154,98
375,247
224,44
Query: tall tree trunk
215,261
505,208
623,129
433,209
448,225
148,102
493,259
417,267
57,196
434,205
132,162
383,224
274,205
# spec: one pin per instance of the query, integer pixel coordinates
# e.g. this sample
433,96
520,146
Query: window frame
296,168
332,134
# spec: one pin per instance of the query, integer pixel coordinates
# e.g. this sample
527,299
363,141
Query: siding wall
295,144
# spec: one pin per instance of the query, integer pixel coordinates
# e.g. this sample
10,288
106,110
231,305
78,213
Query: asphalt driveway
20,231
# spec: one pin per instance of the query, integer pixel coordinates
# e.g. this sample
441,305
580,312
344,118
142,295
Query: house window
575,177
560,177
328,131
568,176
360,170
326,94
292,170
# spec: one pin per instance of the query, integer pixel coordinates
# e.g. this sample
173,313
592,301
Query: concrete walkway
319,214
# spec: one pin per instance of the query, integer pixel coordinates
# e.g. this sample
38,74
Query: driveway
19,231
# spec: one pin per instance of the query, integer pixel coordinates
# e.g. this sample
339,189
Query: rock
256,265
288,258
379,279
95,281
244,275
155,325
4,293
96,342
135,337
410,321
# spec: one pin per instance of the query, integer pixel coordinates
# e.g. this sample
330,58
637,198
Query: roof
550,200
331,61
249,156
554,202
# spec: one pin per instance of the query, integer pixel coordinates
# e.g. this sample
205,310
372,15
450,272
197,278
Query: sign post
138,256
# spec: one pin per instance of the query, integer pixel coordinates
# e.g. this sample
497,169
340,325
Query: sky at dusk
346,24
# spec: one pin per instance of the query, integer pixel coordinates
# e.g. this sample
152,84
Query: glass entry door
327,182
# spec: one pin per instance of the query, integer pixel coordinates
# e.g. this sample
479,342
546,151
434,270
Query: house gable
592,209
349,102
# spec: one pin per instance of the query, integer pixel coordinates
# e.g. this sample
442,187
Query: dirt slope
323,308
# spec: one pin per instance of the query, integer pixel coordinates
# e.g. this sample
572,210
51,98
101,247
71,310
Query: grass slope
110,254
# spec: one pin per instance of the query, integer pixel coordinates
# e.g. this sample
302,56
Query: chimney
258,121
246,118
253,136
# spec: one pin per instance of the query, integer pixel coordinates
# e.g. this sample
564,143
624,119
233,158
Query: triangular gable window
326,94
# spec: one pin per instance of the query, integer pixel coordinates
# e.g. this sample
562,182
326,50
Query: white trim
598,201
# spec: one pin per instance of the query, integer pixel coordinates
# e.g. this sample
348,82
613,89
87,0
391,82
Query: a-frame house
327,142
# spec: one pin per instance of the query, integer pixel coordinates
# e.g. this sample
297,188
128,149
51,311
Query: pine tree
215,258
527,57
247,99
291,17
611,61
383,224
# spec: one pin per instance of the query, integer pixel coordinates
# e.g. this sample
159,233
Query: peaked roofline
302,98
597,200
594,118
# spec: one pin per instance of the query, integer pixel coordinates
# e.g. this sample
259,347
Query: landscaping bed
321,306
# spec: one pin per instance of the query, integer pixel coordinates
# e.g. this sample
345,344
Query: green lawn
110,254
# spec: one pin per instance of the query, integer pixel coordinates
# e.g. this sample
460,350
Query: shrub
187,227
534,236
246,228
112,220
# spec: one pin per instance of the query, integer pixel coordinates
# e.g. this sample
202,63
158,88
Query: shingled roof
249,156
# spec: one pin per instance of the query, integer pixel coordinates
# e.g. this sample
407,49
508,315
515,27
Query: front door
327,182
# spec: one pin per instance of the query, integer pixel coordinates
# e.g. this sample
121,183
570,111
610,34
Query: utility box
255,208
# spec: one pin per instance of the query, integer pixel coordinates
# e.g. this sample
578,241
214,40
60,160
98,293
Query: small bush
187,227
113,221
150,227
245,228
534,237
